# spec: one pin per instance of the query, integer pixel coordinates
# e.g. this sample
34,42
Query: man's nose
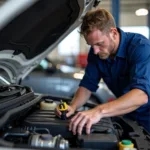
96,49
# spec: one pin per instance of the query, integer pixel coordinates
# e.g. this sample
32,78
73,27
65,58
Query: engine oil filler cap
63,108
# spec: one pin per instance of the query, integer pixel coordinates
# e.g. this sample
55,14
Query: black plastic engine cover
99,141
48,120
102,134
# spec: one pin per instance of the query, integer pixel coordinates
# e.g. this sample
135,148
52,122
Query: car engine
28,121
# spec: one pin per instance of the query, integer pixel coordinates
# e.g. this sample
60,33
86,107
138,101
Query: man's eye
100,44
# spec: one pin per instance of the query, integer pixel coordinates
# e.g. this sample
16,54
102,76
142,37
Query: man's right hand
70,112
80,98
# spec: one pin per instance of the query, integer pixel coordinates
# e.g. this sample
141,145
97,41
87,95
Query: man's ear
113,33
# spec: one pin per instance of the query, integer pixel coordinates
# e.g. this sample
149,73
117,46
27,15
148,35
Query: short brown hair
100,19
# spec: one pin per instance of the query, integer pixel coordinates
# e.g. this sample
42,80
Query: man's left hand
84,119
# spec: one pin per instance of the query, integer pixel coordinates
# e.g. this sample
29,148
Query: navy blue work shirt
130,69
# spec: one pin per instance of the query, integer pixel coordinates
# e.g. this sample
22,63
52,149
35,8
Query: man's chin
103,57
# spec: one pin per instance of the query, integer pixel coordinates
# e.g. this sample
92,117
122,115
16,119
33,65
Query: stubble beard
103,56
108,54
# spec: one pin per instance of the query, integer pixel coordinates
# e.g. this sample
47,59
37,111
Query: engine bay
27,123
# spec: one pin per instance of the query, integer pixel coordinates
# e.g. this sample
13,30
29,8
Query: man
123,61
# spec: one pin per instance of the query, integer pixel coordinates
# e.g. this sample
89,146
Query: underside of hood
39,26
29,34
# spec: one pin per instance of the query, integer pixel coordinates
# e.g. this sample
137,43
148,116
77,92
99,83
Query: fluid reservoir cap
126,142
49,101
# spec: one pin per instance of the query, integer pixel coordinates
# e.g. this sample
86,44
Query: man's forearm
124,104
80,98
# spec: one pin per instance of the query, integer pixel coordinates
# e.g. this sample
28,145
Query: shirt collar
121,52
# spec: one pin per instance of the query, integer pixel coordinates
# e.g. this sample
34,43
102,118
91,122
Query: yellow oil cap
63,106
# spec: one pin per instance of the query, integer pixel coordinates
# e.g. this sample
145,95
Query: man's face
102,43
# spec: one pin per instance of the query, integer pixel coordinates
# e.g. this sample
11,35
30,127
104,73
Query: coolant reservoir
48,105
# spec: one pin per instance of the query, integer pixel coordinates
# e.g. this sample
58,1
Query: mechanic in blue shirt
123,61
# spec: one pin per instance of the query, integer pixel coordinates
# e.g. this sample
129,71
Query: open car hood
30,29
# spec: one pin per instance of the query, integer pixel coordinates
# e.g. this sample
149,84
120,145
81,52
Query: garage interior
41,72
124,13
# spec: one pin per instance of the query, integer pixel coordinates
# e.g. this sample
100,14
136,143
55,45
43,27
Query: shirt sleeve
139,65
92,75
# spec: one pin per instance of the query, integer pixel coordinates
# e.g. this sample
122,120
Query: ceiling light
141,12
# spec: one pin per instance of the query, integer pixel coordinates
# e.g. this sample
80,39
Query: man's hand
84,119
70,112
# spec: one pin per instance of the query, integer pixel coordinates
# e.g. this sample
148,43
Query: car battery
102,136
106,141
